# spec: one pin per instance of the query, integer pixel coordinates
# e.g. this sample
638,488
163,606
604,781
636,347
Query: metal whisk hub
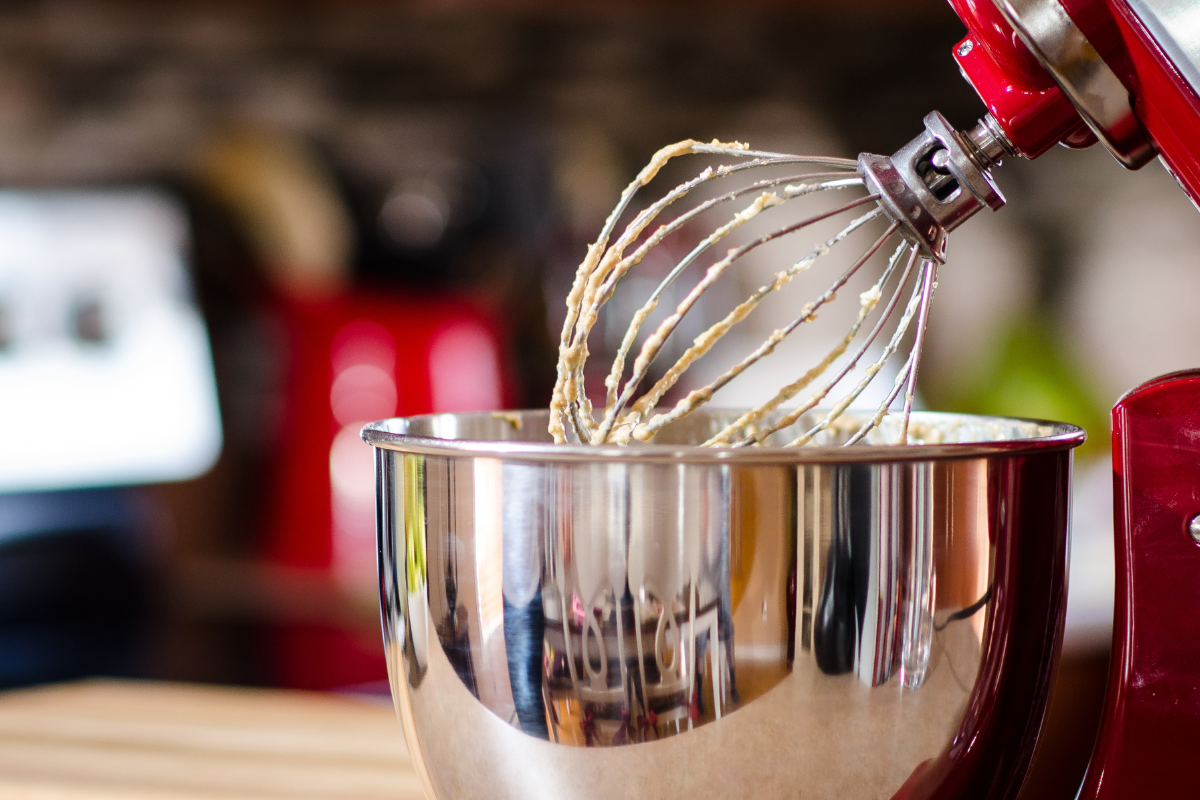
937,181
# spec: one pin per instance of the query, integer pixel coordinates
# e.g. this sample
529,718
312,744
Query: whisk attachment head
938,181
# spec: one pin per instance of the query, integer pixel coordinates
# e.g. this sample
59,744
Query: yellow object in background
288,203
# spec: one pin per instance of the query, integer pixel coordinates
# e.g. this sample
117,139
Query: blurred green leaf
1033,376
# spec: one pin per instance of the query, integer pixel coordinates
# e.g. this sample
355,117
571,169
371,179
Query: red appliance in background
367,273
354,358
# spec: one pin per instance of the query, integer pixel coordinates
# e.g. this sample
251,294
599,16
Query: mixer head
1124,73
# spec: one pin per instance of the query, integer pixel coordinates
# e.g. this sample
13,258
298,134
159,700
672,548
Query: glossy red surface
1164,102
991,31
1151,728
298,521
990,753
300,517
1034,119
1035,115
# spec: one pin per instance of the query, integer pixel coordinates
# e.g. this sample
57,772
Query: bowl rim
391,434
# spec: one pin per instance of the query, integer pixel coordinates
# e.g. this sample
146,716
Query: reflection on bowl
673,620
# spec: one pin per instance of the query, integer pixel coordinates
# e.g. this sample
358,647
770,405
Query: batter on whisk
925,190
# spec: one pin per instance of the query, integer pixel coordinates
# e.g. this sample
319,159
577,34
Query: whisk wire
739,219
740,149
868,301
696,398
790,418
627,416
703,343
840,407
927,289
906,377
882,410
568,390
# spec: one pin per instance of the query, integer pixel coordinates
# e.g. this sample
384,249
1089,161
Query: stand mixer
589,619
1125,73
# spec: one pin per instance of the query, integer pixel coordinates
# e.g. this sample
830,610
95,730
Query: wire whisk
926,189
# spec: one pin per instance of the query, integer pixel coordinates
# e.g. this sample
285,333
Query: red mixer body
1035,113
1151,725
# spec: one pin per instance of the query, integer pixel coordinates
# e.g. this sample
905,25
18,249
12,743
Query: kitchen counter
118,740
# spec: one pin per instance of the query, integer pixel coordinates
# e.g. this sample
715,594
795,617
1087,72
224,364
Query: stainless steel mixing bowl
663,620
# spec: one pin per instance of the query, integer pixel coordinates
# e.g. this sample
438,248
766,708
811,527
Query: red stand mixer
1125,73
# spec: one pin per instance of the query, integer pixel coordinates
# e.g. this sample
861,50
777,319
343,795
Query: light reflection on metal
617,600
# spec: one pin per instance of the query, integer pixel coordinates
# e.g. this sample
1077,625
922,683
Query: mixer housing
1122,72
1073,73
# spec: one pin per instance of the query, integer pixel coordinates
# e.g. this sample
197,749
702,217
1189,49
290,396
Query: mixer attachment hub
937,181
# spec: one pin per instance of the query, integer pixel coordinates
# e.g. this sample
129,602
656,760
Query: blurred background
231,233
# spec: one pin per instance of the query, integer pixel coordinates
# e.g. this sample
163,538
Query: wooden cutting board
110,740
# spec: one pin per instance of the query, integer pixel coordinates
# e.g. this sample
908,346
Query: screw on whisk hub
937,181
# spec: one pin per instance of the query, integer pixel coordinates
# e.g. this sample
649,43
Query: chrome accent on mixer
1087,81
937,181
736,617
987,144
